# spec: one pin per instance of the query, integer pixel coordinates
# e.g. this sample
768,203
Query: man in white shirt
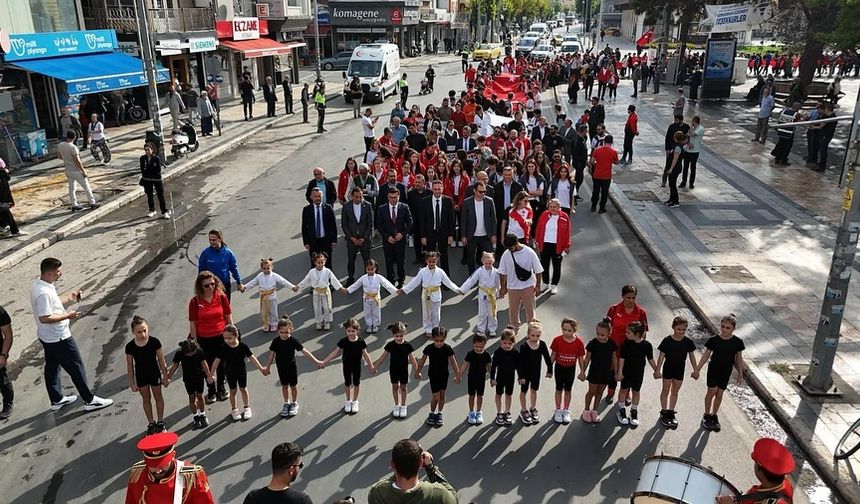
75,171
52,328
368,122
520,292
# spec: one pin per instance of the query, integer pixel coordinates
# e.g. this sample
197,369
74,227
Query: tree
685,10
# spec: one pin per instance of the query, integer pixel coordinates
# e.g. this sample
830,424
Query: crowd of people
830,64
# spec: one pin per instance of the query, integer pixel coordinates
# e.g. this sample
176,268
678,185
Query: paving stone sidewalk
752,239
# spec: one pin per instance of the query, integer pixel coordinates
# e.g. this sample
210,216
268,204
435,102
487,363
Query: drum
671,479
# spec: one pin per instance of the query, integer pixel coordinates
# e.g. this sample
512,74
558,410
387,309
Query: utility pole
317,37
819,380
149,70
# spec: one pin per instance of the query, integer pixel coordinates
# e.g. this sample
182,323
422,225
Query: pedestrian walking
407,458
674,350
287,87
161,477
150,179
531,351
268,282
635,352
602,159
270,95
305,99
117,105
221,261
394,222
505,364
552,241
7,201
430,74
354,349
520,271
246,91
99,147
176,106
213,94
725,352
368,123
320,279
234,354
477,225
209,312
669,144
52,329
372,284
487,279
401,352
356,93
680,103
286,463
403,85
636,77
75,172
206,111
430,278
691,151
825,135
631,130
675,168
319,104
6,389
147,372
766,106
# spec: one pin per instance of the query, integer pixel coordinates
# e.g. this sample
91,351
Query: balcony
123,20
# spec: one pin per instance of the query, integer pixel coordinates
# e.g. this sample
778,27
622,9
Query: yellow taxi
487,52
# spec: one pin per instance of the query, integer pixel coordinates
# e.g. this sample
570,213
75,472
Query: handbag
522,273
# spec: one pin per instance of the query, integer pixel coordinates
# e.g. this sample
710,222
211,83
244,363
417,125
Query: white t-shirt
45,301
550,234
563,193
526,259
367,125
514,226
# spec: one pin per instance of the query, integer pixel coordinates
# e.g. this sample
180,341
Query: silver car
339,61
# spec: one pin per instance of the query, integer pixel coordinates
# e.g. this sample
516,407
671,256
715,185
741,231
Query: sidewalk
755,240
41,190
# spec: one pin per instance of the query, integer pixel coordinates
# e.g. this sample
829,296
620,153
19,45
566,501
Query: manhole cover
729,274
641,196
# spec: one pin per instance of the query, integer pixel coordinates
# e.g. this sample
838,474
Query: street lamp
317,37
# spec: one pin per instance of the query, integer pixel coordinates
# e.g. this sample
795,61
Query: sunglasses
481,192
209,284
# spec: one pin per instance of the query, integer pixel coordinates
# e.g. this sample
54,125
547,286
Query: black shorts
476,385
505,385
237,376
194,385
288,374
438,382
147,379
532,382
564,376
633,382
398,375
673,372
352,374
600,376
719,378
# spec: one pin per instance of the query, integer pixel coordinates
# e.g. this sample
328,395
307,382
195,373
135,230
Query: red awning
260,47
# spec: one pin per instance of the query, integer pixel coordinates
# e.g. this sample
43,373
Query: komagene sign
372,14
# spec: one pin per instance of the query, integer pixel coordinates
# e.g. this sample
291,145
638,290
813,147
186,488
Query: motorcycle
133,111
184,140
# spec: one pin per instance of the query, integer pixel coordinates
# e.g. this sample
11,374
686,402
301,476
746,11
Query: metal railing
122,19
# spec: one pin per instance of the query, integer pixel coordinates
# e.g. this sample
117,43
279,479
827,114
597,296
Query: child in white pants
487,279
431,278
372,284
268,282
319,278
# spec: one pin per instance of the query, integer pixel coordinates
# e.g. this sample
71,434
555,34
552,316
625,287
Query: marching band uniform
182,483
431,281
371,286
269,285
320,280
488,283
773,462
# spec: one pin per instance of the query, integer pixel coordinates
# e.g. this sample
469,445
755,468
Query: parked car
533,34
570,37
487,52
339,61
543,51
570,47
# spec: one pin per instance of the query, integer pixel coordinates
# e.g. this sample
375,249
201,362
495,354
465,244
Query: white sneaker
403,411
65,401
295,409
395,412
479,418
97,403
355,406
152,214
558,417
235,415
246,413
166,215
566,417
553,289
544,287
347,407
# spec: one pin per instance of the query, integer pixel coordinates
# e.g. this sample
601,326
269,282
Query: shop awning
93,73
261,47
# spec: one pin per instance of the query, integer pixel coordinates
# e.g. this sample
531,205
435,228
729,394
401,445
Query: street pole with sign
819,381
317,37
149,70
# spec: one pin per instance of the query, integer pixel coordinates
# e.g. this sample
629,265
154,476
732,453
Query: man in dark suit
306,99
356,220
271,97
540,131
391,181
478,225
437,223
325,185
481,176
394,221
415,199
416,140
505,191
319,228
466,142
568,138
288,93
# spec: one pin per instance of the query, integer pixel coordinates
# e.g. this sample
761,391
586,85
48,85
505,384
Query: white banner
731,18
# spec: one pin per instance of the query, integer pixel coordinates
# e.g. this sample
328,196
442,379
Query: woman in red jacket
350,170
620,316
552,240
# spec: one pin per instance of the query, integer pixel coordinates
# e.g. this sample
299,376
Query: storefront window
54,15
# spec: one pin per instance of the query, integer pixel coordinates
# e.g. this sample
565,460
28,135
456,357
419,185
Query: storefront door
178,67
45,106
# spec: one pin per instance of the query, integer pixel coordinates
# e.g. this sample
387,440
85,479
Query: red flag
645,39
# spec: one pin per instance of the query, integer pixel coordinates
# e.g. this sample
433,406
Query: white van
377,67
541,28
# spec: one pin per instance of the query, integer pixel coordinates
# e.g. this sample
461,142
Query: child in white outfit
269,282
372,284
431,278
487,280
319,278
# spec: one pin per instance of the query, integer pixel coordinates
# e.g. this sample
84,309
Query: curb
816,453
112,205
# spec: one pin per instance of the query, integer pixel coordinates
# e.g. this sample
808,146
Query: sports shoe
152,214
294,409
7,411
246,413
673,420
166,215
526,417
673,205
665,419
160,426
544,287
621,415
204,422
318,326
595,416
77,208
715,423
327,326
403,411
439,421
20,232
210,398
558,417
347,407
150,429
66,400
586,416
222,396
500,419
195,424
706,422
553,289
479,418
535,415
471,418
509,420
285,411
634,418
235,415
431,418
95,205
355,406
566,417
97,403
395,411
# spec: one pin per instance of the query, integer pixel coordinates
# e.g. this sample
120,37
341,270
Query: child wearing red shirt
567,349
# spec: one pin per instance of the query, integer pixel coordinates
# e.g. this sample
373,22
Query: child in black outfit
674,350
233,354
441,355
354,348
506,361
601,363
398,371
634,353
283,353
145,361
195,372
724,352
532,350
476,366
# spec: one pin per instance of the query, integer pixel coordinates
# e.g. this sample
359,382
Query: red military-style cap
772,456
158,449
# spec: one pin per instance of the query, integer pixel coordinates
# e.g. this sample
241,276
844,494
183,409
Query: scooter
425,87
184,140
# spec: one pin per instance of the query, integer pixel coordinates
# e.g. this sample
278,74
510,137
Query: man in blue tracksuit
220,260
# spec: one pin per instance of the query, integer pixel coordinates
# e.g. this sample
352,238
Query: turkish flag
645,39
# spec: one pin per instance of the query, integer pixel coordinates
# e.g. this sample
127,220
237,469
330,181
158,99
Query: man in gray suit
356,219
478,223
568,136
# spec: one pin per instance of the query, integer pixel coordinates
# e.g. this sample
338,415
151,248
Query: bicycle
850,442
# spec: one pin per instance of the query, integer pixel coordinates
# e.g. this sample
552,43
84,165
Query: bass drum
667,479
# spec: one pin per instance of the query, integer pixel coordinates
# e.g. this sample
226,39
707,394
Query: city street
254,193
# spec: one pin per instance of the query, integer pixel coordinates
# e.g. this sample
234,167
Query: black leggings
210,348
628,146
673,184
158,186
550,255
248,109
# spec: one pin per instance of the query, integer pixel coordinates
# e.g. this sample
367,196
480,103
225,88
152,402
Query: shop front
355,23
185,55
246,47
43,73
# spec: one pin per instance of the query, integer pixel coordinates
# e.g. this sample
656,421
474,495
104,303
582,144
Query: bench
815,92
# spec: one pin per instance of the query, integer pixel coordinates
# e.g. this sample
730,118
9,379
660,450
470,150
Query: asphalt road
255,194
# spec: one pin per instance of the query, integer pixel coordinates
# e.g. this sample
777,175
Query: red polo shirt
604,157
211,317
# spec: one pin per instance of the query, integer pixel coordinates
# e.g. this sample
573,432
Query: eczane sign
246,28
